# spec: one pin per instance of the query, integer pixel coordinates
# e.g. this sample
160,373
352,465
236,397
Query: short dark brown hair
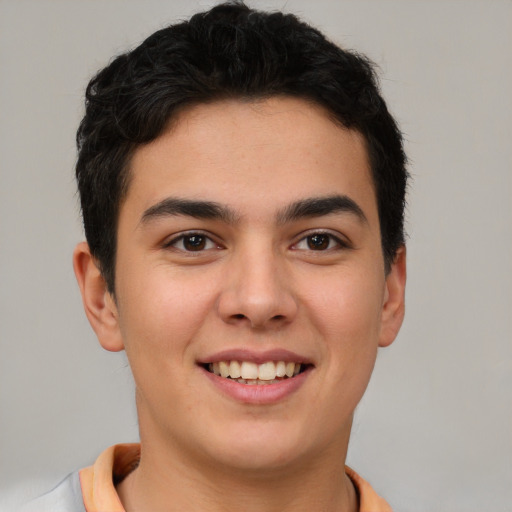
230,51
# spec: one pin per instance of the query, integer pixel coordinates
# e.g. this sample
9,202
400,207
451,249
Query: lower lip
260,394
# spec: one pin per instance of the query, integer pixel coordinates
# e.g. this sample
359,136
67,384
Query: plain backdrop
434,431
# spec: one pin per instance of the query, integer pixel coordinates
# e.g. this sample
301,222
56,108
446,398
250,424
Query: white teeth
249,370
234,370
224,369
267,371
246,372
290,369
280,369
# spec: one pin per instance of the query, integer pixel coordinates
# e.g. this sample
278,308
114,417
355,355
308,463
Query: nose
257,292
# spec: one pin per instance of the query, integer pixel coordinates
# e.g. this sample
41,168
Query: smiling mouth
247,372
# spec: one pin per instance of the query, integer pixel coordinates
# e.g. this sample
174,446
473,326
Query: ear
99,305
393,308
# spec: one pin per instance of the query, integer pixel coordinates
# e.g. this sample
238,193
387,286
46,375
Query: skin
256,285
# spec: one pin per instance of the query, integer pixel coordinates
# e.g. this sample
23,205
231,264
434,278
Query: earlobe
99,305
393,308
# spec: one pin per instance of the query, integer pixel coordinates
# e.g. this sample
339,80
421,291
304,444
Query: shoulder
64,497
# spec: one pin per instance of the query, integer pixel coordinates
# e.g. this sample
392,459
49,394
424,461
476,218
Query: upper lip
243,354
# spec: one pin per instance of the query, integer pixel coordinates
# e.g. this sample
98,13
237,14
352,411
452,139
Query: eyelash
205,242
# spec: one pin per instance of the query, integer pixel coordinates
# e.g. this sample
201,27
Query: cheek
347,311
159,318
163,310
357,319
352,331
346,318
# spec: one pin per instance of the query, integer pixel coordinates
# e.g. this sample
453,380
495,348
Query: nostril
239,316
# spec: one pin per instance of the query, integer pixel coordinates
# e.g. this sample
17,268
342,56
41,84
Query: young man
242,187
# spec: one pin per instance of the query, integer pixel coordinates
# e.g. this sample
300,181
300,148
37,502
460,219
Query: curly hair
230,51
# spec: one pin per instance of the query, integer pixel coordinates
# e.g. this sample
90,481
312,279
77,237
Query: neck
167,480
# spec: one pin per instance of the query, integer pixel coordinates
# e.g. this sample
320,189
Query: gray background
434,431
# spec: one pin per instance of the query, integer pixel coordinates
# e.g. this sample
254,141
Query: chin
258,459
260,448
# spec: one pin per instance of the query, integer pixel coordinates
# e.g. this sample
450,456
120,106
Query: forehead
241,152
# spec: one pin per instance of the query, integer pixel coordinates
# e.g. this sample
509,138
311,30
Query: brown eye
321,241
318,242
194,242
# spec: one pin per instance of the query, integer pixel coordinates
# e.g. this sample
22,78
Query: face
251,294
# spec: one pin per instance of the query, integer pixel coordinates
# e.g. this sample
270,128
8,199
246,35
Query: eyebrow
172,206
321,206
310,207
